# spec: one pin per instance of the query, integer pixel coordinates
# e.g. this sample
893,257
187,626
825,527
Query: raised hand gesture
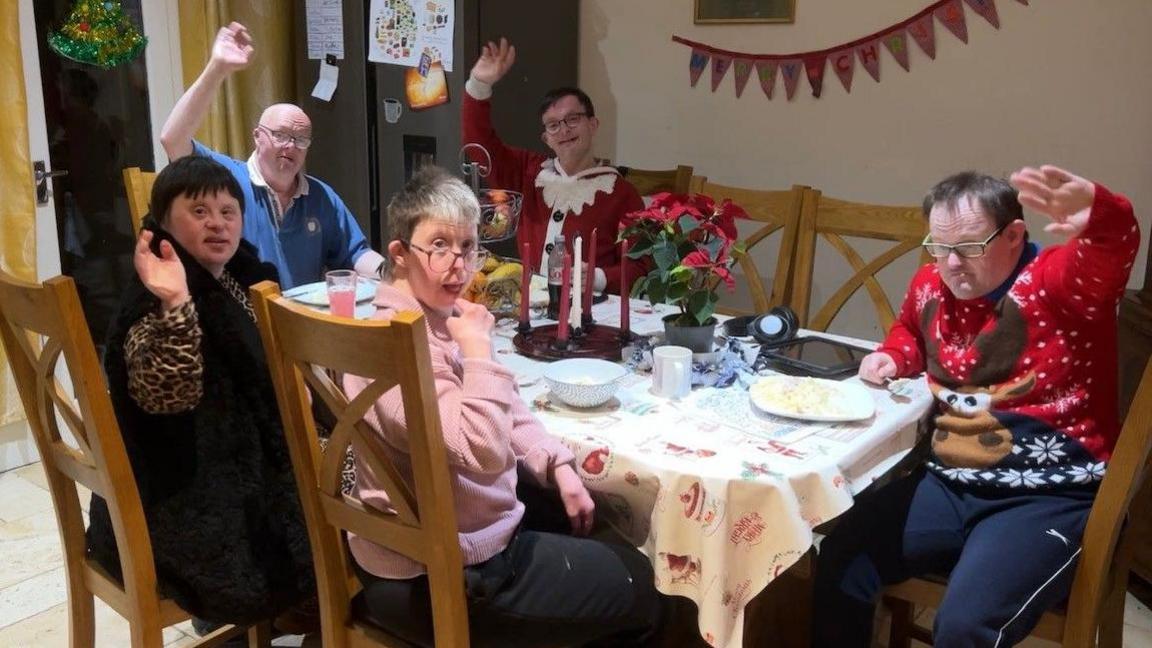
1061,196
162,275
494,62
233,47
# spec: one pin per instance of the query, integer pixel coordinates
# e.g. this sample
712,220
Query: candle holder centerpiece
576,334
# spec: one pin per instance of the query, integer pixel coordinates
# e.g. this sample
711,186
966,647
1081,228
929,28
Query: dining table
721,496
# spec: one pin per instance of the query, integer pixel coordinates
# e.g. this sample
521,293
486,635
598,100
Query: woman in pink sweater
526,585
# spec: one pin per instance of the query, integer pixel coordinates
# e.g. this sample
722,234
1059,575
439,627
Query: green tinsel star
98,33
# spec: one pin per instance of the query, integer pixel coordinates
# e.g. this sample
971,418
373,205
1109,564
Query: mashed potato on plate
797,395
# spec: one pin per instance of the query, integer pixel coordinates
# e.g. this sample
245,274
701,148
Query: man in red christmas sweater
1019,347
568,194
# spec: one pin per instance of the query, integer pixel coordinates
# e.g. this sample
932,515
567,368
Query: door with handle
41,178
97,121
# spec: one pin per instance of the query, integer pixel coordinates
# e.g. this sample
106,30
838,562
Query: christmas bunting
743,69
696,65
842,64
766,70
869,54
842,58
923,31
951,13
720,66
987,9
897,44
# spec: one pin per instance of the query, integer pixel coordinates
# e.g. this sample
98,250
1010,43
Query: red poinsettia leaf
726,276
730,209
696,259
704,203
662,200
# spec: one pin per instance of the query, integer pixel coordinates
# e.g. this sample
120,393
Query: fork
898,386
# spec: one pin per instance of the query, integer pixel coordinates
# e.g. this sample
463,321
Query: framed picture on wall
708,12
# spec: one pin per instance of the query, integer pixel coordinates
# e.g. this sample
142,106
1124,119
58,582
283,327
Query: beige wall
1062,81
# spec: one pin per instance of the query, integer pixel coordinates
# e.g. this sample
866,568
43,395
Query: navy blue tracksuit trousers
1009,556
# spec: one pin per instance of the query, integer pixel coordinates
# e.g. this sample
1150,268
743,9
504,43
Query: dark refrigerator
366,159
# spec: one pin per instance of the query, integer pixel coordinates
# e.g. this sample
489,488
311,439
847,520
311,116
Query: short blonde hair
431,194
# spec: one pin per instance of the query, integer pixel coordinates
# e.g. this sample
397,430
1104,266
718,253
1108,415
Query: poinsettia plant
693,246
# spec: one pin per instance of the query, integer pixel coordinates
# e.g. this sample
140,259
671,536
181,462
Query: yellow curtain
269,79
18,206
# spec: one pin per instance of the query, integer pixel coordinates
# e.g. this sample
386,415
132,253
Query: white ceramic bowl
584,382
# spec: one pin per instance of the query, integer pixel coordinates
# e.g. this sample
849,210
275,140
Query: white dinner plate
812,399
316,294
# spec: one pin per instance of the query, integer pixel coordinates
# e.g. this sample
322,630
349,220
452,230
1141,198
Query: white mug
671,371
392,110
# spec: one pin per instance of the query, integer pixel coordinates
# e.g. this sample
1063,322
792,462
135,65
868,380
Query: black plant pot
699,338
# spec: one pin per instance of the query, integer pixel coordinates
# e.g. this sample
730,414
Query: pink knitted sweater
487,429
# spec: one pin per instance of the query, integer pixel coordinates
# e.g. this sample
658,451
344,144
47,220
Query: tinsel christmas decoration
98,33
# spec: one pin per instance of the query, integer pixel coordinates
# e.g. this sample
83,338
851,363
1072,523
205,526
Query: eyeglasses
441,258
280,138
571,121
971,250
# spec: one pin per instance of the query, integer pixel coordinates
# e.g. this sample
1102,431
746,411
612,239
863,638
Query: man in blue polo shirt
295,221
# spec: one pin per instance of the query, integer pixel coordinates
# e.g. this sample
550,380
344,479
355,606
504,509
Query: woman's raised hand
162,275
471,327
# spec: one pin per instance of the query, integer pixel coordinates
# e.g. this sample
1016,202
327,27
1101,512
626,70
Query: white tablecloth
722,498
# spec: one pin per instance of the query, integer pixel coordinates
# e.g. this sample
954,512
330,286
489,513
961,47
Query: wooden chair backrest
1127,471
778,210
305,348
648,182
833,220
138,185
40,324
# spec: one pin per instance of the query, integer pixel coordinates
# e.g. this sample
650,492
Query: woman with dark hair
196,406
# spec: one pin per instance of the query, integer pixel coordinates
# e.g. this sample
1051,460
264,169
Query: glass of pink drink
341,292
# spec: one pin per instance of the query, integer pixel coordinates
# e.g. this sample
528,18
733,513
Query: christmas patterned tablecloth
720,496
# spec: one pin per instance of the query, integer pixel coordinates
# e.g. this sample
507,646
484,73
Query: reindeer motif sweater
1025,377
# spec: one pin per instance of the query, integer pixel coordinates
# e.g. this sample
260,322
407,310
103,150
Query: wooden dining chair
845,225
648,182
138,185
305,349
1094,613
39,326
775,210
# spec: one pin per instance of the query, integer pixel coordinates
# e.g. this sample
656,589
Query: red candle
589,279
565,304
525,284
624,292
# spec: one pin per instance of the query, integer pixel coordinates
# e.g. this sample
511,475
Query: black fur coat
228,534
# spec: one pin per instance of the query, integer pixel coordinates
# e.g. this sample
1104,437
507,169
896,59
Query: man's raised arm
232,51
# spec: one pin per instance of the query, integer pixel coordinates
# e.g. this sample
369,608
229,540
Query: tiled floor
33,611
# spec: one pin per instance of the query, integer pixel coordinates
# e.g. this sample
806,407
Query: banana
505,271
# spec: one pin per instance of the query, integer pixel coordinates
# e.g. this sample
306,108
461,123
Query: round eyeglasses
971,250
441,258
280,138
571,121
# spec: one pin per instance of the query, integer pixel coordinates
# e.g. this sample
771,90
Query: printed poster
401,32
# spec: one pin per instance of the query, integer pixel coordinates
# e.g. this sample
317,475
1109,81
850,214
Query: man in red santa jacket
568,194
1019,347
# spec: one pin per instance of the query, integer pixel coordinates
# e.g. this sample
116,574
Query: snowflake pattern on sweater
1025,377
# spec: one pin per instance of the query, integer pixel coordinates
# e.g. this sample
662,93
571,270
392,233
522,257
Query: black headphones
777,325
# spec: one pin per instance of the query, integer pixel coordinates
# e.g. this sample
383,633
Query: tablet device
814,356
